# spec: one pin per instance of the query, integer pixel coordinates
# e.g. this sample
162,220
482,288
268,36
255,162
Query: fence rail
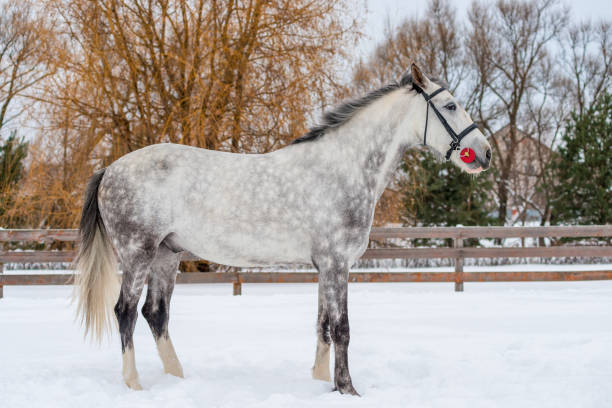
458,252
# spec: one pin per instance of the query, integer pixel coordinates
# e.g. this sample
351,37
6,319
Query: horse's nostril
488,154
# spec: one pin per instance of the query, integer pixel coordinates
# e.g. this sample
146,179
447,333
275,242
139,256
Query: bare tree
433,41
509,45
24,57
586,63
25,61
238,75
231,75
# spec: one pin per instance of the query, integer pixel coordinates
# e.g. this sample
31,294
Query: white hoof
130,375
133,384
171,363
175,371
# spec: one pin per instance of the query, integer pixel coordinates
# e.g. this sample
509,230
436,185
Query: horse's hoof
179,375
347,389
176,371
134,385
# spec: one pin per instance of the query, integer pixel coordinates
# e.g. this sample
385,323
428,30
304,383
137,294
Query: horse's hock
458,252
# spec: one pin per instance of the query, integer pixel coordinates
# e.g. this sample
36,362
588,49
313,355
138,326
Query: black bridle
456,138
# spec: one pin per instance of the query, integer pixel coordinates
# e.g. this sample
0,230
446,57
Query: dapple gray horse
310,202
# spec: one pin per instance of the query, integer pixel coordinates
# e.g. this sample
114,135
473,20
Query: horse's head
445,126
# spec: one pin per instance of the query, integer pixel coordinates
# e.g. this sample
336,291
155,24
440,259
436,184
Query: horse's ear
417,76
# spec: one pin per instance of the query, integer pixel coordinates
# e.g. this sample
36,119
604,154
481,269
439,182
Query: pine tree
447,195
583,193
12,154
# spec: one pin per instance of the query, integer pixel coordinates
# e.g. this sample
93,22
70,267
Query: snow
412,345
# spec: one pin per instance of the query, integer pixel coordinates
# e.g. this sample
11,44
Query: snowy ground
412,345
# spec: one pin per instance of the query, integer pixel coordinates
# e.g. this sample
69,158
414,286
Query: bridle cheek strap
456,138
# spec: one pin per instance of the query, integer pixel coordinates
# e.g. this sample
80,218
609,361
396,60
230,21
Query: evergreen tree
12,154
447,196
584,169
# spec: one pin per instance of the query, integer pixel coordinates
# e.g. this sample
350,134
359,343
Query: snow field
412,345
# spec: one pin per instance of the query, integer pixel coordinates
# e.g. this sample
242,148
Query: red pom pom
467,155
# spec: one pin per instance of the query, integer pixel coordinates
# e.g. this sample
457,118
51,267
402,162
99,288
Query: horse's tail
96,284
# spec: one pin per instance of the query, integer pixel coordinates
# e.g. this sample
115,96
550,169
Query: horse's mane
347,110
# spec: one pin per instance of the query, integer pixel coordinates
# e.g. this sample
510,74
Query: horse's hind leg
156,309
135,270
320,371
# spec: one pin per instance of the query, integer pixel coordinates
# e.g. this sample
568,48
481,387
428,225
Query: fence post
458,243
1,286
237,286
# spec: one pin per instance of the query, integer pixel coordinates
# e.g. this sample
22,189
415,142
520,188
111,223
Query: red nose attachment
467,155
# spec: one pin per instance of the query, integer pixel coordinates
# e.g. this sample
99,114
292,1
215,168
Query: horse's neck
370,144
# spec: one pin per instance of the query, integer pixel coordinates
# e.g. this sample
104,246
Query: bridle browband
456,138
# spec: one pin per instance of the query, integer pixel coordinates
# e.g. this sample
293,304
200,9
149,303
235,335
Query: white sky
379,11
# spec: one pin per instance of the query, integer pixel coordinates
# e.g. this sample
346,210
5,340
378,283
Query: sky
394,11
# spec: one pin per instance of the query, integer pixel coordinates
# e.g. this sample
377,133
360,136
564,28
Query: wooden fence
457,252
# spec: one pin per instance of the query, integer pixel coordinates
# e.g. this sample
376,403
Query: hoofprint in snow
414,345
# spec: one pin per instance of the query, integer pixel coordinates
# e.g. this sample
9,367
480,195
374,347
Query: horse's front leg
333,288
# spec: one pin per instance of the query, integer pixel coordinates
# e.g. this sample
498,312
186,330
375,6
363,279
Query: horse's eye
451,106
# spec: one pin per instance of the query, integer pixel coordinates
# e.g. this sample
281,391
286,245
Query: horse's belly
241,249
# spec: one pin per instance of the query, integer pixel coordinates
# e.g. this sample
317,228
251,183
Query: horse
311,202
